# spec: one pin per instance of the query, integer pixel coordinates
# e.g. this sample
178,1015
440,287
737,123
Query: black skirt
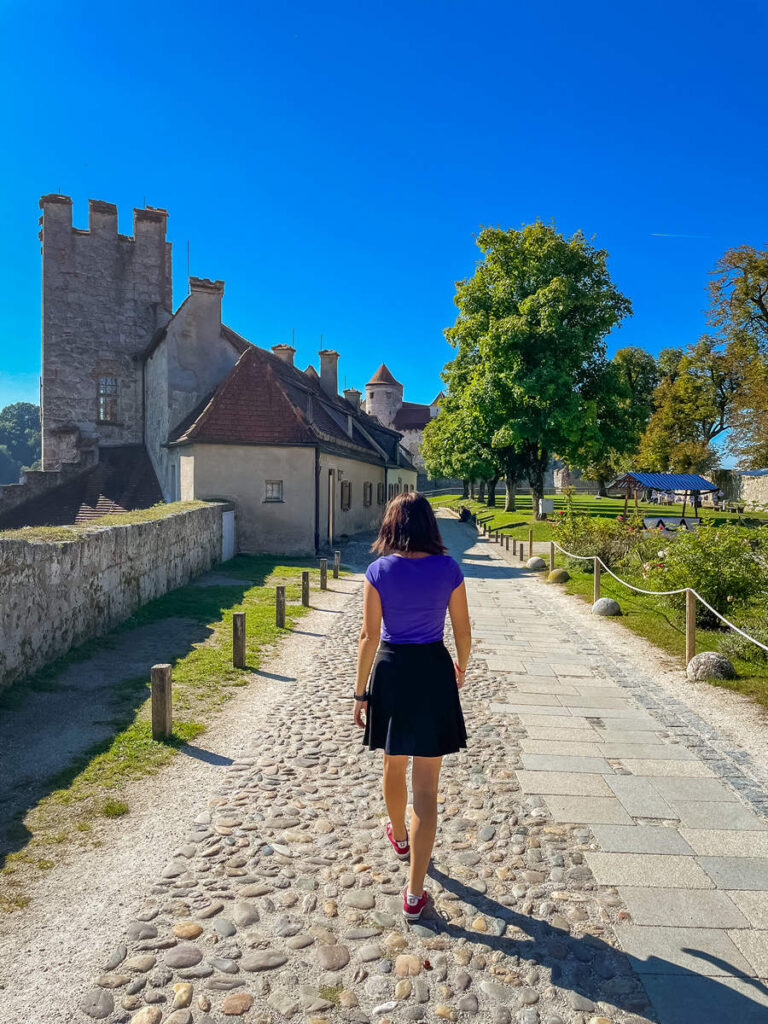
414,705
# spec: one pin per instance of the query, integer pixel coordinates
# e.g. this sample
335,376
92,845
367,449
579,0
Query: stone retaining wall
54,596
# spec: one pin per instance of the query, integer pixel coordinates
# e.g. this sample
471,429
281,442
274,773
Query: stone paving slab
706,814
640,751
712,1000
662,871
560,763
694,789
737,872
706,951
726,843
639,798
753,945
683,908
563,783
640,839
664,767
568,748
555,711
587,809
754,906
566,734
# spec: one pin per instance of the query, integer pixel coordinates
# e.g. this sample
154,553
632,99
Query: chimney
353,396
285,352
328,374
207,296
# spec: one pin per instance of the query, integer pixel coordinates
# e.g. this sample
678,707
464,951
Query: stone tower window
107,400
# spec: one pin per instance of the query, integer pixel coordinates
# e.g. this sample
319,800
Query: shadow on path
597,971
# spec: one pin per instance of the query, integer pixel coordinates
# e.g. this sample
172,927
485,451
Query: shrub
734,646
723,563
609,539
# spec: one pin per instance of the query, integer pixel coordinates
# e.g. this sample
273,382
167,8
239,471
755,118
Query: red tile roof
383,376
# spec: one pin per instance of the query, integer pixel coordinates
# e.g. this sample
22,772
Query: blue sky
331,162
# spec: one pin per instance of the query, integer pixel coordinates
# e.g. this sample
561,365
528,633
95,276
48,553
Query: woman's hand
361,709
461,674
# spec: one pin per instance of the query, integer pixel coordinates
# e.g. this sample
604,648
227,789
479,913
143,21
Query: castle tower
103,297
383,396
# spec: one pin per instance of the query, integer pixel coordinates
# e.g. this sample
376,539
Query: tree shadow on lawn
597,971
54,723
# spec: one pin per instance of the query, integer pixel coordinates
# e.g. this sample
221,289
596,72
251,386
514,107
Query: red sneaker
403,849
413,911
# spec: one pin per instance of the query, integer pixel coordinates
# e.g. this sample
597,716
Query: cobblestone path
284,901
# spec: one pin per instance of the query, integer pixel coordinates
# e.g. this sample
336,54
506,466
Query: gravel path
65,935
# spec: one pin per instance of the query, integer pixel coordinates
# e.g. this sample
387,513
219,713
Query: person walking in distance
411,705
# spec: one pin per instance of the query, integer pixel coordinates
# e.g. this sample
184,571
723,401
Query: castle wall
54,596
102,295
412,440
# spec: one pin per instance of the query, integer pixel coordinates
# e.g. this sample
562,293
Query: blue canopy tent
688,483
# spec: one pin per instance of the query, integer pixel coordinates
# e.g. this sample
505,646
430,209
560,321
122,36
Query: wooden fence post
514,545
336,564
690,625
305,588
520,550
323,573
238,639
507,541
595,580
551,556
530,543
162,708
280,606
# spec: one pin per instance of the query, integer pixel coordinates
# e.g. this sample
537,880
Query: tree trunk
481,491
537,465
465,489
601,489
491,499
472,489
510,504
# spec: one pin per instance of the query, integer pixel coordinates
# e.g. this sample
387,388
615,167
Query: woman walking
411,707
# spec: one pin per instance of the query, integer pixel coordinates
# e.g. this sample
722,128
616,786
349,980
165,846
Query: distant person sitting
464,514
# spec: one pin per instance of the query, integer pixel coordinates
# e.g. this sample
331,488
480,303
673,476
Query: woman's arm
462,631
369,642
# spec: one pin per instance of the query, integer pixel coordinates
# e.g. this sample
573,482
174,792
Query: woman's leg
395,792
425,776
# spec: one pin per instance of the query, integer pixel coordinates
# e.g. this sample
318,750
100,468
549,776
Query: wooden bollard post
690,625
305,588
336,564
162,708
520,550
323,573
507,541
514,545
596,580
238,639
551,555
280,606
530,543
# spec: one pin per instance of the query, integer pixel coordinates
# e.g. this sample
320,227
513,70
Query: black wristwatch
361,696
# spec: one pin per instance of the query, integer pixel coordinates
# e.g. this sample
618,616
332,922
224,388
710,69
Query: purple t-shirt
414,596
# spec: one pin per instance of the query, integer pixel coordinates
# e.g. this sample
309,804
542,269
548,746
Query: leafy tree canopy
19,439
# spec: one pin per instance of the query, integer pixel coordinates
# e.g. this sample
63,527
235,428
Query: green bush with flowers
725,564
609,539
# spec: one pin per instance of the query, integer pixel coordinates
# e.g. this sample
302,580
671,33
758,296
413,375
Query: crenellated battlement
104,294
148,221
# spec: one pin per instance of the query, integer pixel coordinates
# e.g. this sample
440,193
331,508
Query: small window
273,490
367,494
379,494
107,400
390,492
346,495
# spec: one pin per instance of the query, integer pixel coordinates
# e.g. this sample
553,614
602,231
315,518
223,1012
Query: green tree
622,414
534,315
19,438
694,405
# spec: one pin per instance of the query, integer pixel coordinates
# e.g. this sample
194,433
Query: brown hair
409,524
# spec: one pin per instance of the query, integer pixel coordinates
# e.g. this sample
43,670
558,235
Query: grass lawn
517,524
64,534
203,679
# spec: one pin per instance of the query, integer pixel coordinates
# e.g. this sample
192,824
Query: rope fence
691,596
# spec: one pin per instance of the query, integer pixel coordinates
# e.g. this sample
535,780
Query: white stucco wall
239,473
358,517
